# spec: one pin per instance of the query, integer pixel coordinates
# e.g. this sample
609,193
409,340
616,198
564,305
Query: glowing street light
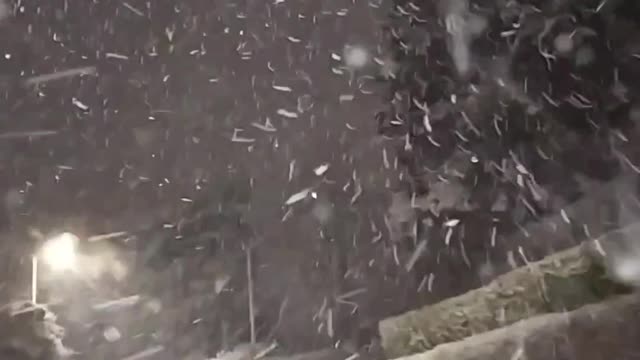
59,253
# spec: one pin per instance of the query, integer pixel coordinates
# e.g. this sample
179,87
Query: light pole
59,253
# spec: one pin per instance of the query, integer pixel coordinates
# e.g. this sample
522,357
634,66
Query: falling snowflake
356,57
564,43
627,270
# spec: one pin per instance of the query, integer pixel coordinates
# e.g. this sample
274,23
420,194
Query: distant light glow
59,252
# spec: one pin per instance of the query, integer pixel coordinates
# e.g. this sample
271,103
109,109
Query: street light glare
59,252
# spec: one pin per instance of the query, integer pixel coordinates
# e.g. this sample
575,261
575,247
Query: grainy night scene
319,179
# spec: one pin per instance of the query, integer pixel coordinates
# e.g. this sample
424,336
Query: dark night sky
152,130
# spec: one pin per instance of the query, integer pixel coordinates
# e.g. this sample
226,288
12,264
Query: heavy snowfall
319,180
